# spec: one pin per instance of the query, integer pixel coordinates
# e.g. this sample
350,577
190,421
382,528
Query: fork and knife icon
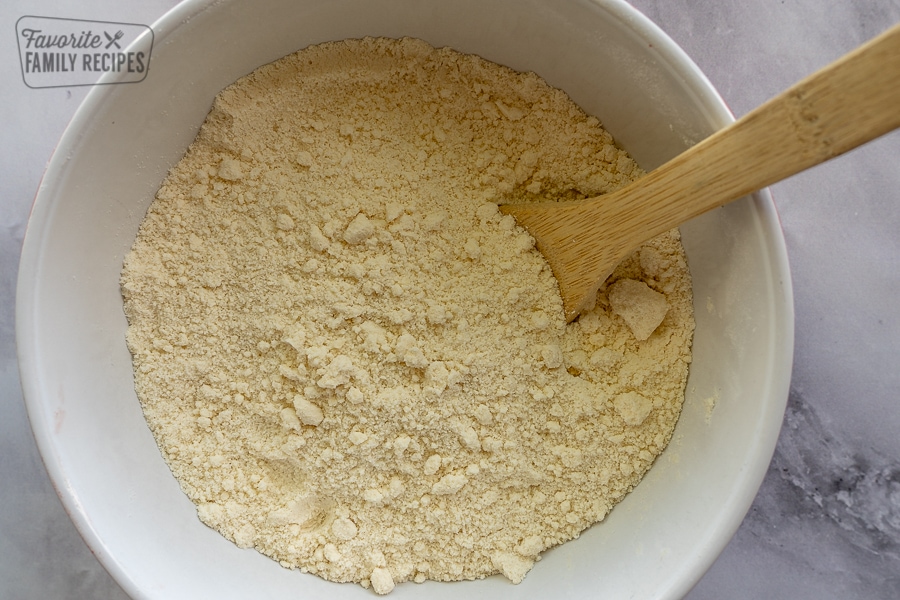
113,39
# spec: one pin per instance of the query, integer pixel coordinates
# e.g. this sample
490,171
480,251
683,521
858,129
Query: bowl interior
76,369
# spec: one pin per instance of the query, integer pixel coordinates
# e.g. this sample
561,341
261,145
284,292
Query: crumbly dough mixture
354,363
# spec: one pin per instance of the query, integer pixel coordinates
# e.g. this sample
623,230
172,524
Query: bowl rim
32,247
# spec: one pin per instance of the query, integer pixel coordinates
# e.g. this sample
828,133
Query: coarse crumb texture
352,362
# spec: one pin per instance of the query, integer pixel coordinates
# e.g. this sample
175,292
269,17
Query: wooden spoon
848,103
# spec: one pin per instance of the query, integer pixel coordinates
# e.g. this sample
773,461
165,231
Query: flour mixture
353,363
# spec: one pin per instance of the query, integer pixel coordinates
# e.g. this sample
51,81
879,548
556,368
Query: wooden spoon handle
849,102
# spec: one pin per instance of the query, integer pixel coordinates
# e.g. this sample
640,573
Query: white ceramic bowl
76,370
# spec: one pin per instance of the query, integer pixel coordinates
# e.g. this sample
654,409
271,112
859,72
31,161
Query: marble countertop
826,521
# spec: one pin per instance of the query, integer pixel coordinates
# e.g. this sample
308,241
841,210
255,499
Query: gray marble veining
824,524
